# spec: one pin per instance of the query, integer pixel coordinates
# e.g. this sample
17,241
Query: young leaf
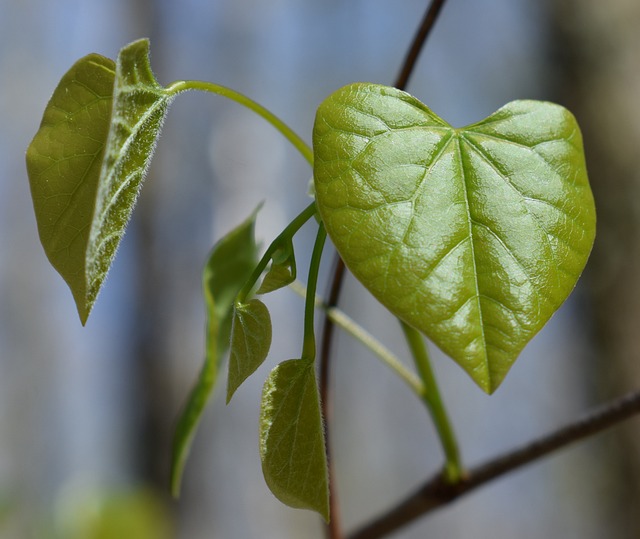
250,342
292,447
229,266
474,236
282,271
87,161
64,161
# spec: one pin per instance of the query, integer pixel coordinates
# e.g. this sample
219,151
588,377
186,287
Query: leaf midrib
100,219
457,135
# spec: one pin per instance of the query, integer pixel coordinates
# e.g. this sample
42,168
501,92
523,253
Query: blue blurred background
86,414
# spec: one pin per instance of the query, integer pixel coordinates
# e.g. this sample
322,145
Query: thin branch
333,530
351,327
437,493
417,45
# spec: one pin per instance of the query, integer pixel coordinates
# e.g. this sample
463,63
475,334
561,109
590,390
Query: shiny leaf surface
475,236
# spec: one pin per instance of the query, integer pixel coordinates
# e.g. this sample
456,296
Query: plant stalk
351,327
286,234
203,86
453,470
309,339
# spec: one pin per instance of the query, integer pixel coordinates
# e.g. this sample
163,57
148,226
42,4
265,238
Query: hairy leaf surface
88,159
229,266
475,236
250,342
292,446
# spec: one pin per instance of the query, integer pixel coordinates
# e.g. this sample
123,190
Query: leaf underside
292,447
64,162
475,236
87,162
229,266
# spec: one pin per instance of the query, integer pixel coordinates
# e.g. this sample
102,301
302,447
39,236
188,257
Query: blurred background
86,414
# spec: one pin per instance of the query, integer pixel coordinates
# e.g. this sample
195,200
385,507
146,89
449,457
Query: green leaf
229,265
474,236
282,271
250,342
292,446
87,161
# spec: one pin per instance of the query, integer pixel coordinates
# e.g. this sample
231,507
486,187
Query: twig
410,60
436,492
333,530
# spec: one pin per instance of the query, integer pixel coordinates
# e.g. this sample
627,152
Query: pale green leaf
282,271
292,446
475,236
250,342
229,266
87,161
64,162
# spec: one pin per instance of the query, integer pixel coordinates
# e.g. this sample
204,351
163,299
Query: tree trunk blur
595,48
150,332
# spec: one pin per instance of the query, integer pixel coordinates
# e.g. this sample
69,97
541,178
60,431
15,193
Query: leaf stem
351,327
309,338
203,86
285,235
453,471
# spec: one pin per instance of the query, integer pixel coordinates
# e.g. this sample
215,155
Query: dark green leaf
282,271
250,342
474,236
229,266
87,162
292,446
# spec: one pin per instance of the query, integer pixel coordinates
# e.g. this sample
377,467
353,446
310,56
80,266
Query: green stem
453,468
202,86
285,235
351,327
309,338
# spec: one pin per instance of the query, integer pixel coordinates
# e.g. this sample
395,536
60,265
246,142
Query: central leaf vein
463,174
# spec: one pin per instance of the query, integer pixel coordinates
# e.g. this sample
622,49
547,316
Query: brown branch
333,529
417,45
436,493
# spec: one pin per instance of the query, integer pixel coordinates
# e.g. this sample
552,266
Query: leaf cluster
471,236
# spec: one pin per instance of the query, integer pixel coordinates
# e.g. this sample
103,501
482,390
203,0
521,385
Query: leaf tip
230,392
175,485
84,316
83,305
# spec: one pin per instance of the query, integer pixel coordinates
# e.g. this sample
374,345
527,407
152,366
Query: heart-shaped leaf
250,342
474,236
87,161
230,264
292,447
